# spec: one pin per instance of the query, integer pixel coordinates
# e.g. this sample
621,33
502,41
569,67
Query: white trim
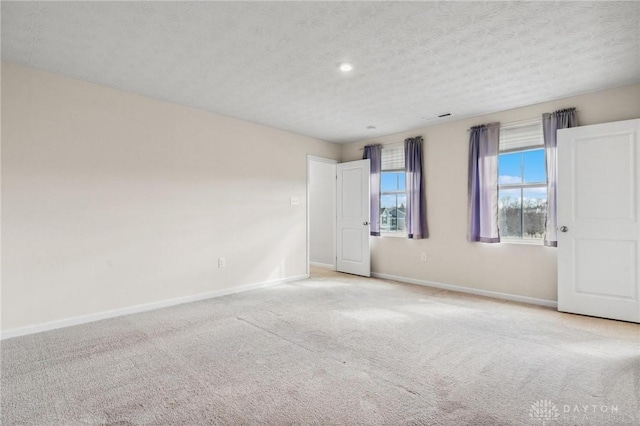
323,265
83,319
522,241
393,234
469,290
311,158
321,159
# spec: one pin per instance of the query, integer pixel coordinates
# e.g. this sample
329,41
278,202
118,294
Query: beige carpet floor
334,349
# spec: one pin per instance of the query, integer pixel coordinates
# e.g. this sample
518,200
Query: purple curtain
374,154
484,145
416,200
551,122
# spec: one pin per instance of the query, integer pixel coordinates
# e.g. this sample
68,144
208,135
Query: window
393,196
522,182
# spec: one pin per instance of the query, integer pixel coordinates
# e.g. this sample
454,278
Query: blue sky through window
534,166
393,182
522,167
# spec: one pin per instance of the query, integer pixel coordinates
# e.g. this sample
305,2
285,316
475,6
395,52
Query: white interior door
598,205
352,249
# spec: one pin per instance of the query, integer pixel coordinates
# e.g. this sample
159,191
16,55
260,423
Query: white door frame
313,158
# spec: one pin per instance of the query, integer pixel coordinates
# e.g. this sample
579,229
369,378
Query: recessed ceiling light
345,67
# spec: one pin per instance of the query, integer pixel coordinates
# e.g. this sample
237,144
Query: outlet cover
295,201
222,262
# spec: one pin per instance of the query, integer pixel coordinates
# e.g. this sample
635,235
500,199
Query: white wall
522,270
111,199
322,211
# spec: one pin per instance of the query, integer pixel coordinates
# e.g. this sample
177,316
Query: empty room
327,213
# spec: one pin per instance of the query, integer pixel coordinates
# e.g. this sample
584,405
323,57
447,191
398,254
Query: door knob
365,223
564,229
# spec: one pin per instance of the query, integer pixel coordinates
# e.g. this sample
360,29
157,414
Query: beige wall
111,199
522,270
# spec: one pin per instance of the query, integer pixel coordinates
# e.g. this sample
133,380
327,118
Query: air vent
436,117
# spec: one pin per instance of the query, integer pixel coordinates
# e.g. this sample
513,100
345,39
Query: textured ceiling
276,63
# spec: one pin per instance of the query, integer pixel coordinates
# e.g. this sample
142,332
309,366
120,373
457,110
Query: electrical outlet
295,201
222,262
423,256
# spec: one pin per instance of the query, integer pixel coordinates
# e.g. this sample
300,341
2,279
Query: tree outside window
522,196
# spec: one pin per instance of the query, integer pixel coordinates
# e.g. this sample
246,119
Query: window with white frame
393,195
522,182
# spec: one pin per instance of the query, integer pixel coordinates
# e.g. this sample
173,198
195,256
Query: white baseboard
83,319
321,265
469,290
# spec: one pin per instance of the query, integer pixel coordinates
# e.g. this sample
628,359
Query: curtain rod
383,144
515,123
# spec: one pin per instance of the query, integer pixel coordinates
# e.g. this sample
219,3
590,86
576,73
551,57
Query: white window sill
525,242
394,234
